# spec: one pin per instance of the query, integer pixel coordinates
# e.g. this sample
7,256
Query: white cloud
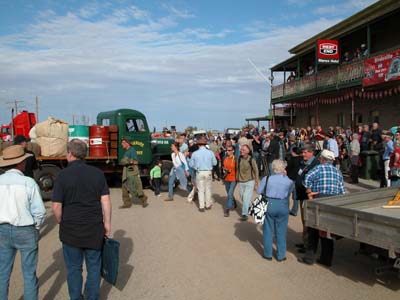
343,8
169,73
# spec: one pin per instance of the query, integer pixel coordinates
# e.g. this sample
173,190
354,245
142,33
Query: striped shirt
325,179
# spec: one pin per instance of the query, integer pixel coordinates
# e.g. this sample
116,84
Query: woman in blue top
279,188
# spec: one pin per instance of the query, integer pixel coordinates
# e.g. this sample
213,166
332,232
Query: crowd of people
297,164
294,165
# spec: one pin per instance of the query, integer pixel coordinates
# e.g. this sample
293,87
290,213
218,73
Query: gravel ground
169,250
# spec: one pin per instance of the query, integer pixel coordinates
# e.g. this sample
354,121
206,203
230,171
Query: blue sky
179,62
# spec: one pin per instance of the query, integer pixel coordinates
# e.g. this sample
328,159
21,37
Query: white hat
328,155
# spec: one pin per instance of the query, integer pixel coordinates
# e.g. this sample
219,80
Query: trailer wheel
45,177
165,170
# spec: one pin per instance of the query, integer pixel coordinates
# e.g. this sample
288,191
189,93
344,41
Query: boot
144,201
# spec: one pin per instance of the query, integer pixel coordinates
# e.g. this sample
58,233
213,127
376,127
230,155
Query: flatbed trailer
359,217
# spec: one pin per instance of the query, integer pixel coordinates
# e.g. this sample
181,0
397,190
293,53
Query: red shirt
392,158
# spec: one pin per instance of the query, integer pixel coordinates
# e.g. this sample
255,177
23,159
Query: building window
358,118
341,119
374,116
105,122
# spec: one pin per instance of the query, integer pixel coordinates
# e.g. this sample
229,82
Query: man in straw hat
21,214
203,161
322,181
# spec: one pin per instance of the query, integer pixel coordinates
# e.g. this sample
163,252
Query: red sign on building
328,51
382,68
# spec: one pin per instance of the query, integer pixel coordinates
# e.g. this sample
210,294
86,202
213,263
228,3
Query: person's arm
214,160
57,211
261,187
37,209
396,158
106,208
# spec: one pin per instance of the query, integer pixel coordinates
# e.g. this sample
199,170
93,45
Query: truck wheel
45,177
166,168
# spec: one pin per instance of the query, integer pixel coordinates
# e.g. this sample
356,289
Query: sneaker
201,210
144,201
208,207
244,218
169,199
304,260
226,213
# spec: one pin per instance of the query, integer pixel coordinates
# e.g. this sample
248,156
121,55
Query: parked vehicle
20,125
119,123
360,217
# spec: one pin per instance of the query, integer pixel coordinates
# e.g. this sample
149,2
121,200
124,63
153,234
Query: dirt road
169,250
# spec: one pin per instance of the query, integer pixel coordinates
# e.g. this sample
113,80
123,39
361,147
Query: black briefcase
110,260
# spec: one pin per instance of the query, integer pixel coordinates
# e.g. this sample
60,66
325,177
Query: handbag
110,260
259,207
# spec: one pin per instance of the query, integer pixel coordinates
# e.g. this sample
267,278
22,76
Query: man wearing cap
21,214
131,182
203,161
30,164
322,181
82,207
308,162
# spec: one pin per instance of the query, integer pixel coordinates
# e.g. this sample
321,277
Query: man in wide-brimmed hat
203,161
21,214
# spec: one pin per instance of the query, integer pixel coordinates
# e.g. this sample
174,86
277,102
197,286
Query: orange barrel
98,141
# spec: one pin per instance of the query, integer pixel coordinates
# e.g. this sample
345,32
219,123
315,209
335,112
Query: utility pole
15,103
37,108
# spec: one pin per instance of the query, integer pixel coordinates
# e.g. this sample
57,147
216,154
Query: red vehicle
22,124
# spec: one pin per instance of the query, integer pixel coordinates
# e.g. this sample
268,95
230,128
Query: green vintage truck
125,123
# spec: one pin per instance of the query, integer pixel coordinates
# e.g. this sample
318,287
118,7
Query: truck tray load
360,217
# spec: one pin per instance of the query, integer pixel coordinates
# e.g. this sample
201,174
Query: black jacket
300,189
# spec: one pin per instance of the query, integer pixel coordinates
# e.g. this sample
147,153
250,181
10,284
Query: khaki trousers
204,182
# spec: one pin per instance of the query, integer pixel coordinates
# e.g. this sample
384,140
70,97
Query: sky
182,63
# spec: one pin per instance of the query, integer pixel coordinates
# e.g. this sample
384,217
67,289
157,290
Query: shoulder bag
258,208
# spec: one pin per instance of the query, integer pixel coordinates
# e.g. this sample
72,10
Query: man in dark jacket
308,163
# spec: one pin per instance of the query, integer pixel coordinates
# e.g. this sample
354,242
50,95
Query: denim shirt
278,187
203,160
21,203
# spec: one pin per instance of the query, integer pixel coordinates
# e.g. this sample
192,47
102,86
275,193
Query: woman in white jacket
180,171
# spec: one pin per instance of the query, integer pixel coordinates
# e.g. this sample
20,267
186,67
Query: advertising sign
328,51
382,68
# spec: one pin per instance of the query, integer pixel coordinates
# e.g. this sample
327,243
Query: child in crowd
155,177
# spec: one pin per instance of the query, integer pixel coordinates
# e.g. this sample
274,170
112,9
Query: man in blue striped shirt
322,181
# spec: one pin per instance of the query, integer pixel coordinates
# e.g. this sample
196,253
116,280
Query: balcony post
273,116
352,114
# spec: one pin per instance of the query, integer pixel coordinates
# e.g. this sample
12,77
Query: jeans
25,239
395,182
179,174
171,183
230,190
246,191
157,184
295,207
73,258
275,224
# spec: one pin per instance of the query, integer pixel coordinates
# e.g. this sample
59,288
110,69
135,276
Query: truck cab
132,124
